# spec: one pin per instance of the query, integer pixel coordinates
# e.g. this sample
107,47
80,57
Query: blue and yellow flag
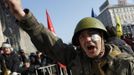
118,27
93,14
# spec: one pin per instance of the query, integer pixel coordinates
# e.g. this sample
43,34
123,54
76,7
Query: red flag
61,65
49,23
51,28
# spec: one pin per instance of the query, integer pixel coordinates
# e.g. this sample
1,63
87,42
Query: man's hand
16,8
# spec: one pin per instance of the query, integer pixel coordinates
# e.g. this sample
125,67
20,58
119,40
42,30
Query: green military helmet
87,23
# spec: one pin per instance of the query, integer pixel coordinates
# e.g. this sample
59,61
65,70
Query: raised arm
38,33
16,8
40,36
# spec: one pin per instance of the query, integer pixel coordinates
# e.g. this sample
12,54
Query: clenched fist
16,8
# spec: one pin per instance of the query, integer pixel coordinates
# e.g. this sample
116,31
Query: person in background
1,51
33,67
25,63
9,60
90,56
40,61
113,39
23,57
129,39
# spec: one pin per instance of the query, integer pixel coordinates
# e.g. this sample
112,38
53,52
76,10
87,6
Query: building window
122,10
115,10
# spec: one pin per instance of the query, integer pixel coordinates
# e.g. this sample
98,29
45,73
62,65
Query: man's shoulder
124,64
125,57
121,55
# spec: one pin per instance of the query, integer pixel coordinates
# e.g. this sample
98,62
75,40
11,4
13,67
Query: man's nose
88,38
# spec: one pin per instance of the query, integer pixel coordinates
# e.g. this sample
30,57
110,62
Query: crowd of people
92,51
18,62
129,39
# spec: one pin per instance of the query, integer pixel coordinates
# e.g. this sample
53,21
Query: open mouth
90,47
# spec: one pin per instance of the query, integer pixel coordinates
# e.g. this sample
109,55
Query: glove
14,73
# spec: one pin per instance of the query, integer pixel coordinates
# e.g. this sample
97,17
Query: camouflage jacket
113,63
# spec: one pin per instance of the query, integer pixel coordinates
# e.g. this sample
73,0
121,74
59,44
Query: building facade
11,33
123,10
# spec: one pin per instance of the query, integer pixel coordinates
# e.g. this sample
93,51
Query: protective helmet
6,45
87,23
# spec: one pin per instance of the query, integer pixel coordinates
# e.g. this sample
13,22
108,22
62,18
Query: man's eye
81,36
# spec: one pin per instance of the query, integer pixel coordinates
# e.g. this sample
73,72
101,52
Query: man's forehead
5,47
91,31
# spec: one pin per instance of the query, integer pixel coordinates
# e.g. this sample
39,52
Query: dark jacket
11,61
124,47
113,62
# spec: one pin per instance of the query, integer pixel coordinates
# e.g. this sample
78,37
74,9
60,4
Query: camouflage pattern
113,63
